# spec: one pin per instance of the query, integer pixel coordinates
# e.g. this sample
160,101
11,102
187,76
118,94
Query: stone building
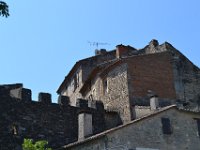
169,128
115,98
127,77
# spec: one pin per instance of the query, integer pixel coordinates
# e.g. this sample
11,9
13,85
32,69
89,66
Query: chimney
154,104
100,52
153,43
121,50
84,125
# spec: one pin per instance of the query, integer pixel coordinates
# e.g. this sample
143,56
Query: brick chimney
121,50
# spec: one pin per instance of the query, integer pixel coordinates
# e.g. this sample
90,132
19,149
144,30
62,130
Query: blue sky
42,40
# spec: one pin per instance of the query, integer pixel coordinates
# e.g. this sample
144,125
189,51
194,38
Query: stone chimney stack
84,119
100,52
153,43
84,125
154,104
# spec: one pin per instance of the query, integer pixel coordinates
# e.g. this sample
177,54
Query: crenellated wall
42,120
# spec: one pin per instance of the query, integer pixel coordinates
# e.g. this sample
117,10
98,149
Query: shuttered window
166,126
198,125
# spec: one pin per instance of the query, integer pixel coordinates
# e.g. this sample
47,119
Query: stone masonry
147,134
102,92
20,118
127,77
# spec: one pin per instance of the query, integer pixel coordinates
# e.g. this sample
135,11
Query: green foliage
39,145
4,11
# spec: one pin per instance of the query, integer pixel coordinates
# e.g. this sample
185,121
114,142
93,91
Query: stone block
63,100
26,94
99,105
82,103
44,98
84,125
92,104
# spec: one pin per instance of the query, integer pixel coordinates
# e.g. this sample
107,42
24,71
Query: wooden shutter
166,126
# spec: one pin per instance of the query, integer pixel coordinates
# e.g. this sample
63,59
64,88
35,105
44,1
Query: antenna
97,43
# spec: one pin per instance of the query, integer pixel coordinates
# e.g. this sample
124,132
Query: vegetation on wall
39,145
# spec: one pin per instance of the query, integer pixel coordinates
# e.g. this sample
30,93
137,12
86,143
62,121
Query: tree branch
4,11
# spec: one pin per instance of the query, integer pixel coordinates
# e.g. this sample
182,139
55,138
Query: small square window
166,126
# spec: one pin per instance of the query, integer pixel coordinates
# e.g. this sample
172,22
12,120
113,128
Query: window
78,80
105,86
75,82
166,126
198,125
94,92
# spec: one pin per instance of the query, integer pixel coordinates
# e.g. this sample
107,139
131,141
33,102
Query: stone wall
57,123
115,95
159,68
85,68
186,79
148,133
141,111
72,89
112,119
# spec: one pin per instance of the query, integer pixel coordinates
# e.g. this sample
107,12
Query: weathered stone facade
147,132
104,91
20,118
111,88
78,75
123,80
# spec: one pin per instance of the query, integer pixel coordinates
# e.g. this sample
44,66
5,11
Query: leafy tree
4,11
39,145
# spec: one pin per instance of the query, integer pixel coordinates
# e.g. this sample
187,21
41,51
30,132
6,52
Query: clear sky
42,39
